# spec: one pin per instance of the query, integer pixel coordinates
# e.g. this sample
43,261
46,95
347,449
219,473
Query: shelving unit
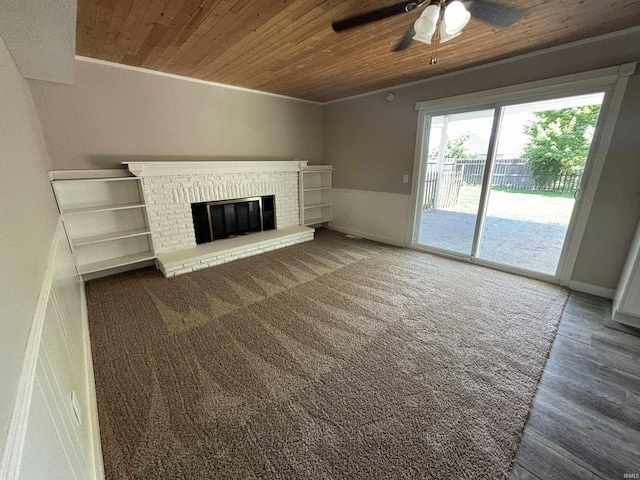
315,194
106,221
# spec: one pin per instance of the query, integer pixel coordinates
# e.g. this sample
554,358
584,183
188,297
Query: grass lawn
539,207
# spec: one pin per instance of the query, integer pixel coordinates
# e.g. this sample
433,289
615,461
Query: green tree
454,148
559,141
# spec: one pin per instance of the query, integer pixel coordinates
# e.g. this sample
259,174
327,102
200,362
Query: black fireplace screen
229,218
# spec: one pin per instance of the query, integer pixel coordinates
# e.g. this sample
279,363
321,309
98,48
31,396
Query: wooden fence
449,187
515,174
507,173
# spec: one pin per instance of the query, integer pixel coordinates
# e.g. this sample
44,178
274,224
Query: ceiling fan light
455,17
425,26
445,36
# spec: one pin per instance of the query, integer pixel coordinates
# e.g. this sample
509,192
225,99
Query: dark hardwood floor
585,420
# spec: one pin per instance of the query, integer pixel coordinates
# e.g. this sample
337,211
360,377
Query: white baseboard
592,289
625,319
378,216
368,236
14,444
96,446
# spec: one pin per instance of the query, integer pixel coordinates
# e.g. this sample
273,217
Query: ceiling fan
451,15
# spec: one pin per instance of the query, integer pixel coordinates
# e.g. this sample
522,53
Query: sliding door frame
610,81
486,181
422,149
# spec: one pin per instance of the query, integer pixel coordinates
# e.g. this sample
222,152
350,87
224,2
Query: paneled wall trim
377,216
48,436
12,455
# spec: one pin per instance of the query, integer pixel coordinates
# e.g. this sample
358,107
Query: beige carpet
337,358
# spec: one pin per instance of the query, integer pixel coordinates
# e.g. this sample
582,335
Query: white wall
114,113
27,222
57,445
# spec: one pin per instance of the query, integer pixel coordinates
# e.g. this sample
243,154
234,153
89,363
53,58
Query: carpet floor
337,358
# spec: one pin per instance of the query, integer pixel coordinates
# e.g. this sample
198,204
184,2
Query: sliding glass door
541,154
498,185
456,156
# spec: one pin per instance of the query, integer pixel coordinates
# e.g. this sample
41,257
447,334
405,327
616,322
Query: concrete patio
527,245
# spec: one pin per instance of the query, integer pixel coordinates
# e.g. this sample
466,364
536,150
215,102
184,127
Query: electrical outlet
405,178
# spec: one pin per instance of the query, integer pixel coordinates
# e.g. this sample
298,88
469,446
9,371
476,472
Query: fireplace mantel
160,168
170,188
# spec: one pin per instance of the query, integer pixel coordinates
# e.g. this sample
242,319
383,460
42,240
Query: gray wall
112,114
371,142
27,223
616,209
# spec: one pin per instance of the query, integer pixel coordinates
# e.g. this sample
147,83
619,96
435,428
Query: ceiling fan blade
406,40
495,14
374,15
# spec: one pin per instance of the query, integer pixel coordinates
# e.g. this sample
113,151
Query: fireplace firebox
230,218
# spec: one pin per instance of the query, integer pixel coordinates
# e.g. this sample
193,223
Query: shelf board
66,181
318,169
115,262
313,221
317,205
88,208
115,173
105,237
315,188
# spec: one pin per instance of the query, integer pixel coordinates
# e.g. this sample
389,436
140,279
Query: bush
545,170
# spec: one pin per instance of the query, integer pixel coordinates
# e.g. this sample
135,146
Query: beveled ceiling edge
41,37
190,79
544,51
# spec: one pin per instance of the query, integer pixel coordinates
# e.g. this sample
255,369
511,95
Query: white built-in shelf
98,179
317,205
106,237
316,220
105,218
315,194
115,262
102,174
96,207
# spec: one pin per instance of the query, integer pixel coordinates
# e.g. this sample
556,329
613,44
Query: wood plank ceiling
288,46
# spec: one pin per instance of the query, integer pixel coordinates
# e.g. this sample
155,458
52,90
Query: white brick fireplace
171,187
